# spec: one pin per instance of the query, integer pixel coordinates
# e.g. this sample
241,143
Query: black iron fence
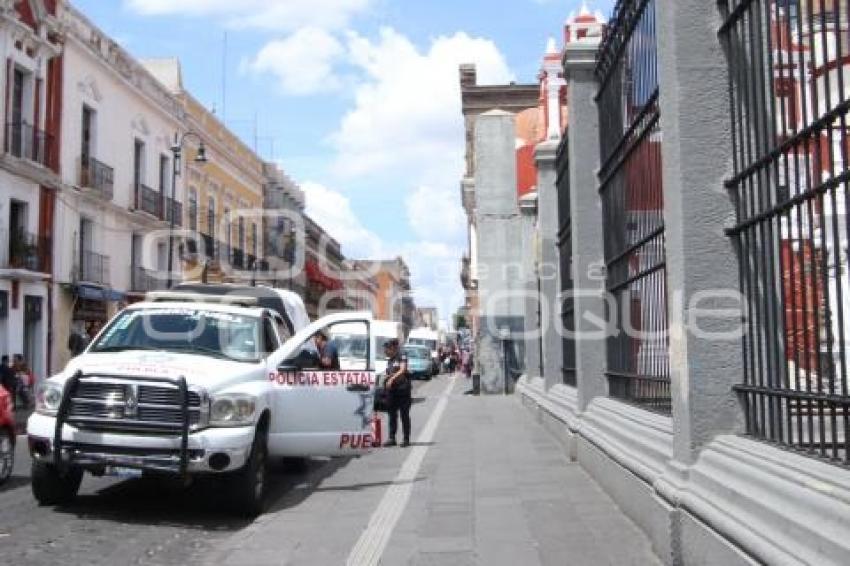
565,245
632,207
789,97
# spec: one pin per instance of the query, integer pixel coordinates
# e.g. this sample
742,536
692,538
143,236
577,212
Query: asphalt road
137,521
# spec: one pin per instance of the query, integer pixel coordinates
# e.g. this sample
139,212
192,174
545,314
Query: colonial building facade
31,48
118,124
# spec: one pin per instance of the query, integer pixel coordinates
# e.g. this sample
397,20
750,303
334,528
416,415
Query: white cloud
436,214
260,14
303,62
332,210
406,124
407,113
433,264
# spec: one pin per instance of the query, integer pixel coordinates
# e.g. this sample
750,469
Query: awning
315,273
95,293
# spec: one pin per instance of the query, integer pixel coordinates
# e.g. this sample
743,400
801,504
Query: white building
30,48
118,125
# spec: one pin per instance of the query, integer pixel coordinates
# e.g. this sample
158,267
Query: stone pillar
528,210
549,268
586,210
697,157
501,285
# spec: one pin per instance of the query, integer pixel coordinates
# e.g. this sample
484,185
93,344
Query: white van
351,341
429,338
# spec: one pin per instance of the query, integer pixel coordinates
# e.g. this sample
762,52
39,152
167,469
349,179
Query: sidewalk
493,488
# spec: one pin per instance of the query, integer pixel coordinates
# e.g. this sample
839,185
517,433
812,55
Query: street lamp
177,154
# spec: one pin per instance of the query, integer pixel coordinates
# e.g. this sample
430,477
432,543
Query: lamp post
177,154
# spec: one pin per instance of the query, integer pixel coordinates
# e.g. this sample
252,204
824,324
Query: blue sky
356,99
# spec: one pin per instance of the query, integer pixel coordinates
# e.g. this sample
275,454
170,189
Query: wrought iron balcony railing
144,280
93,268
148,200
25,251
97,176
25,141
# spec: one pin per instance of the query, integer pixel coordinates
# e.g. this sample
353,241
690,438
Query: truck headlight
48,398
232,410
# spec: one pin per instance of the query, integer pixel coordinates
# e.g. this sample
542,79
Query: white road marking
372,543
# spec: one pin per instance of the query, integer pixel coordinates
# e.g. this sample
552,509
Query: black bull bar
106,458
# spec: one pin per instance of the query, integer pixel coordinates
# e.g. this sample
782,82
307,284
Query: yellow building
224,196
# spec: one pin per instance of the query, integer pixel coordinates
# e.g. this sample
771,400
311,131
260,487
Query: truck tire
247,487
52,486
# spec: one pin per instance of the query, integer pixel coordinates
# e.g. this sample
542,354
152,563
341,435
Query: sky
357,100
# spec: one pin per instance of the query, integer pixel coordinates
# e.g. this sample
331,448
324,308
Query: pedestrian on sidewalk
8,379
399,392
25,381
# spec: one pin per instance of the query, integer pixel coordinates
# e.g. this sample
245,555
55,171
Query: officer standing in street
399,390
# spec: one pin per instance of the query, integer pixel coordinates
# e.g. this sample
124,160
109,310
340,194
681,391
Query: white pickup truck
190,383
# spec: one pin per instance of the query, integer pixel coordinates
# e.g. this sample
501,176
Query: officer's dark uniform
399,397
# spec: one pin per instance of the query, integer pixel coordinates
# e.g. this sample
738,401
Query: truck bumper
213,450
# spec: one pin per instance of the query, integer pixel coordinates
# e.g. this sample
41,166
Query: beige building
224,196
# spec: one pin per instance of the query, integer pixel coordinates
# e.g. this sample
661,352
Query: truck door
321,411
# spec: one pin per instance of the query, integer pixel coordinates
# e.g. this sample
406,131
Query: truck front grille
132,406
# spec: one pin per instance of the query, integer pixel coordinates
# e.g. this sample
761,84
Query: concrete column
528,210
501,285
697,157
549,268
588,259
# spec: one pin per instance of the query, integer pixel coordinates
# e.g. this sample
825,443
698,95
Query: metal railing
632,207
565,245
177,207
148,200
25,251
97,176
93,268
25,141
789,102
144,280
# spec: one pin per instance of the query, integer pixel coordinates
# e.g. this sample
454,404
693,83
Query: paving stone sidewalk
498,489
494,488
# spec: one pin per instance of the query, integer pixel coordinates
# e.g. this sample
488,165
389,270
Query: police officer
328,353
399,392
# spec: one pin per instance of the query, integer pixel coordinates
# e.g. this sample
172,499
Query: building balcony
98,177
93,268
144,280
25,251
148,200
25,141
177,207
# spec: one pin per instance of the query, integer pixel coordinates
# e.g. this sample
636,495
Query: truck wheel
248,486
52,486
7,455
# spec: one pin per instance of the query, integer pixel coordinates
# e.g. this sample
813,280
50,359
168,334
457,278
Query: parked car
188,383
7,435
418,361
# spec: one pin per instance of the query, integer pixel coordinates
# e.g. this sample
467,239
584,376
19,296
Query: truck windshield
208,333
